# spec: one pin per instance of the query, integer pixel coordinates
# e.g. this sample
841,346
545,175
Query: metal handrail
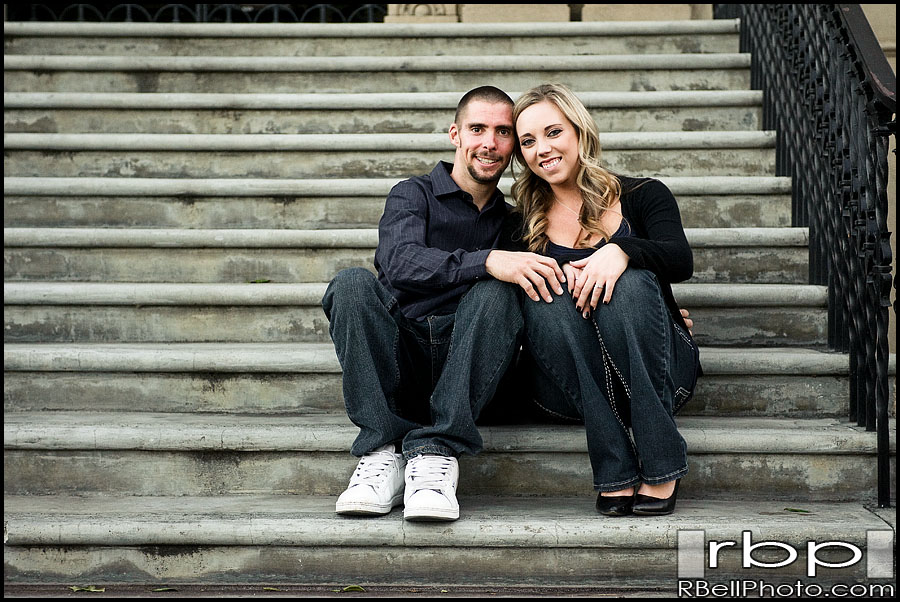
831,95
200,13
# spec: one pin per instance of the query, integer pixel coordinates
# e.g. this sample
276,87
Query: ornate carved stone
422,13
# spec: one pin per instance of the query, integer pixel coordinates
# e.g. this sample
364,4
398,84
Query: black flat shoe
644,505
615,505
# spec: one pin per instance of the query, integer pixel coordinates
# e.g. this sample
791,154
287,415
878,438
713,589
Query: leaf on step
90,588
801,511
272,589
353,588
164,589
260,280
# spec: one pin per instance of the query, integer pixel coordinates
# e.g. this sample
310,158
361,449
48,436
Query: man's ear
454,135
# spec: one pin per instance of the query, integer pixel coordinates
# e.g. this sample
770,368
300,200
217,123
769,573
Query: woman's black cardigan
657,241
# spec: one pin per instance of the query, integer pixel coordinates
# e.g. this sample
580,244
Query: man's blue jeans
629,364
420,382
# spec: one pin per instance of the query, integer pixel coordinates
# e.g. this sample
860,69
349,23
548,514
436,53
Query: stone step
736,255
56,312
715,202
280,74
353,113
305,378
354,155
143,453
498,541
379,39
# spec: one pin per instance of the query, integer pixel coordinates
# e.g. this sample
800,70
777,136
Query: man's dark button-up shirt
433,242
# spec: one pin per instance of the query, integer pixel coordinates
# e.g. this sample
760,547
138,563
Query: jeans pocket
687,368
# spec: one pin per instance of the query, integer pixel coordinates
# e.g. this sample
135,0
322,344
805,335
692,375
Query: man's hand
529,270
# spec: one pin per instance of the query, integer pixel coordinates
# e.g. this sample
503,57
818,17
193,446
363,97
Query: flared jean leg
572,382
652,359
363,323
486,335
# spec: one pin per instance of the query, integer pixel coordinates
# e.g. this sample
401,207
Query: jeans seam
618,484
610,388
666,477
554,414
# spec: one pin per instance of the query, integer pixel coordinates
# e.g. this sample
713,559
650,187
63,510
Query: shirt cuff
475,268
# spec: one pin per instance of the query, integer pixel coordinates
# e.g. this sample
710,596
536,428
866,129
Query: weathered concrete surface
298,539
148,454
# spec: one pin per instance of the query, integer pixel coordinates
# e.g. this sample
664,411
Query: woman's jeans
628,364
423,382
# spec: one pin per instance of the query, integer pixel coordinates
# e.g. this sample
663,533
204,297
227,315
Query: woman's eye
555,133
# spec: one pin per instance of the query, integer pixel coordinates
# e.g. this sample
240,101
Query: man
423,346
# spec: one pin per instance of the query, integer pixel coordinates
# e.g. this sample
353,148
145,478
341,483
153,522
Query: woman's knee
558,322
636,286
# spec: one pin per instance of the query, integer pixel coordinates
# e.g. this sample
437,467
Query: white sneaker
431,488
376,486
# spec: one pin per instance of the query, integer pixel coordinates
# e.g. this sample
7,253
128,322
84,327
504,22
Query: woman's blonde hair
600,189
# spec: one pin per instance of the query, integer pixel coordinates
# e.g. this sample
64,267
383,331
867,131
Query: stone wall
508,13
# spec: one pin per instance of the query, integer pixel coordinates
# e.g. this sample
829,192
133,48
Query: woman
617,354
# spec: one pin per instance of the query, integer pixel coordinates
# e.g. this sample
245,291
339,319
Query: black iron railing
830,94
200,13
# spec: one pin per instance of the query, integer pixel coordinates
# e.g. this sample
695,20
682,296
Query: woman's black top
566,254
653,237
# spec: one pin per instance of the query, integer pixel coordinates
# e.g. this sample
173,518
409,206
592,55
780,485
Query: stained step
143,453
354,156
271,539
305,378
211,74
715,202
388,112
381,39
737,255
53,312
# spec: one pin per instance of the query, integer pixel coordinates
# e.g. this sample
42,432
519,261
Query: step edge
478,526
374,101
176,432
325,238
616,29
304,294
353,64
320,357
334,143
71,186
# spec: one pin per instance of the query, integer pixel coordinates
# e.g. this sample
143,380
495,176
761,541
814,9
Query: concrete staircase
177,198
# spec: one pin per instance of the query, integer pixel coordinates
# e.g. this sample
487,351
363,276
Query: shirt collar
444,184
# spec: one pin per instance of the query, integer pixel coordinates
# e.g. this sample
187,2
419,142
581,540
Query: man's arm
404,255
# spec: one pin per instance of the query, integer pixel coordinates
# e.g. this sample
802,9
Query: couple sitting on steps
578,275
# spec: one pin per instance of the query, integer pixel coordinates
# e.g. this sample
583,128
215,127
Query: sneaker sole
363,509
431,515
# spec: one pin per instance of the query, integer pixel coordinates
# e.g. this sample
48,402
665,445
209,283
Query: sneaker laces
372,466
430,472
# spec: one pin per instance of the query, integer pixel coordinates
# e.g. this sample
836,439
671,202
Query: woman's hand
572,274
599,274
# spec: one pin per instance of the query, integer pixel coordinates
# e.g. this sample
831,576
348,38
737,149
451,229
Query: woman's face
549,143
